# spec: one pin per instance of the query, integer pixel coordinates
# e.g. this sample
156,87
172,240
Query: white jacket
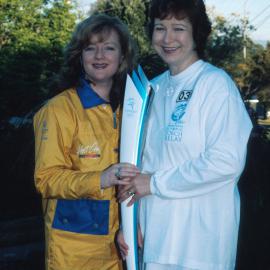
196,149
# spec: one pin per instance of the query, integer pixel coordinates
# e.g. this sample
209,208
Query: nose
168,36
99,54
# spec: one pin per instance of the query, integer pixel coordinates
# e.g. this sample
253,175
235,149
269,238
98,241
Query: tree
225,49
225,42
255,70
33,34
134,14
264,94
225,46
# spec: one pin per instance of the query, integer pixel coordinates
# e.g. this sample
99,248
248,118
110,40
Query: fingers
120,188
132,200
140,237
123,251
118,174
122,245
123,193
127,194
122,170
123,182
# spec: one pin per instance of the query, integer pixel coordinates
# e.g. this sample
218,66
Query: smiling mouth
170,49
100,66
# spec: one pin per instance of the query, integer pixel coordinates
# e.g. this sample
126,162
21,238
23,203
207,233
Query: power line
260,13
262,22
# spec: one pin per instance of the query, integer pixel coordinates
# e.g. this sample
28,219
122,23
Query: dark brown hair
194,10
98,24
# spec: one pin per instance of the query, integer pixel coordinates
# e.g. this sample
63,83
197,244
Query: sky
257,11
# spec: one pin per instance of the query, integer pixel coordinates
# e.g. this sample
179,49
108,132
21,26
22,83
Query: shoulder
58,107
160,78
213,73
217,81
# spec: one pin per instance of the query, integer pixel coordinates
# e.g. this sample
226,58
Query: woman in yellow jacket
76,148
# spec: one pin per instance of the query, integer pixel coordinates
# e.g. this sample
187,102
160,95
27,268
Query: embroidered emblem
180,109
184,95
89,151
179,112
131,109
44,131
174,129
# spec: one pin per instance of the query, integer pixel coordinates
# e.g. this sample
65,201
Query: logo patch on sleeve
44,131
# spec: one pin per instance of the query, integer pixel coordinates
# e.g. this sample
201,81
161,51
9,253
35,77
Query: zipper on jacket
114,120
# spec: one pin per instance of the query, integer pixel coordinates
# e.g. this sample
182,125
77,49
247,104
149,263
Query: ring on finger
131,193
117,173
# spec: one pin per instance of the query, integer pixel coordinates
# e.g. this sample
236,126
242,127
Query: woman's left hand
118,174
138,187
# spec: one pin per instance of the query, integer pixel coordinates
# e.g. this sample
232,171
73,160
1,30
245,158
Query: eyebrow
179,24
105,43
174,24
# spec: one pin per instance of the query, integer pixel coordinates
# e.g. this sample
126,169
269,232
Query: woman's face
173,41
102,57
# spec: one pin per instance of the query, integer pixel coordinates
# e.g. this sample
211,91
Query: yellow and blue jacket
76,138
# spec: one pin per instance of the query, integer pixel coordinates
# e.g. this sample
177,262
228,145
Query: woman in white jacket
195,150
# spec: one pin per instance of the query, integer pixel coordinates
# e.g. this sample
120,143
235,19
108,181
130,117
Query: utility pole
245,23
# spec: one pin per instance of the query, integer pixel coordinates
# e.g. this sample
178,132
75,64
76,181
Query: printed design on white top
132,107
174,129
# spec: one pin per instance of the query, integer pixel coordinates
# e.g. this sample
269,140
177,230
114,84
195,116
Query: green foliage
134,14
225,46
224,43
33,34
254,71
225,49
19,22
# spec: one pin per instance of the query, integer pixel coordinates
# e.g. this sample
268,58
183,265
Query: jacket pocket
82,216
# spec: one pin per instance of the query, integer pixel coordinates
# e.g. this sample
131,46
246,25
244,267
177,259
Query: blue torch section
142,85
145,94
142,91
135,212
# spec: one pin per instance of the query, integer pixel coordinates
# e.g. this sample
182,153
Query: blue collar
89,98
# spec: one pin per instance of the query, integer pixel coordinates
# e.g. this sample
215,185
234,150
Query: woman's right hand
123,245
118,174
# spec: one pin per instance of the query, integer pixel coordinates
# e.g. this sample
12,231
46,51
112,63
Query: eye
89,48
159,28
109,48
179,29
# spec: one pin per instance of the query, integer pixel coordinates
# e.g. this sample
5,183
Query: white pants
156,266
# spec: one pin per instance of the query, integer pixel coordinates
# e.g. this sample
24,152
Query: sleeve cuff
94,187
153,188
